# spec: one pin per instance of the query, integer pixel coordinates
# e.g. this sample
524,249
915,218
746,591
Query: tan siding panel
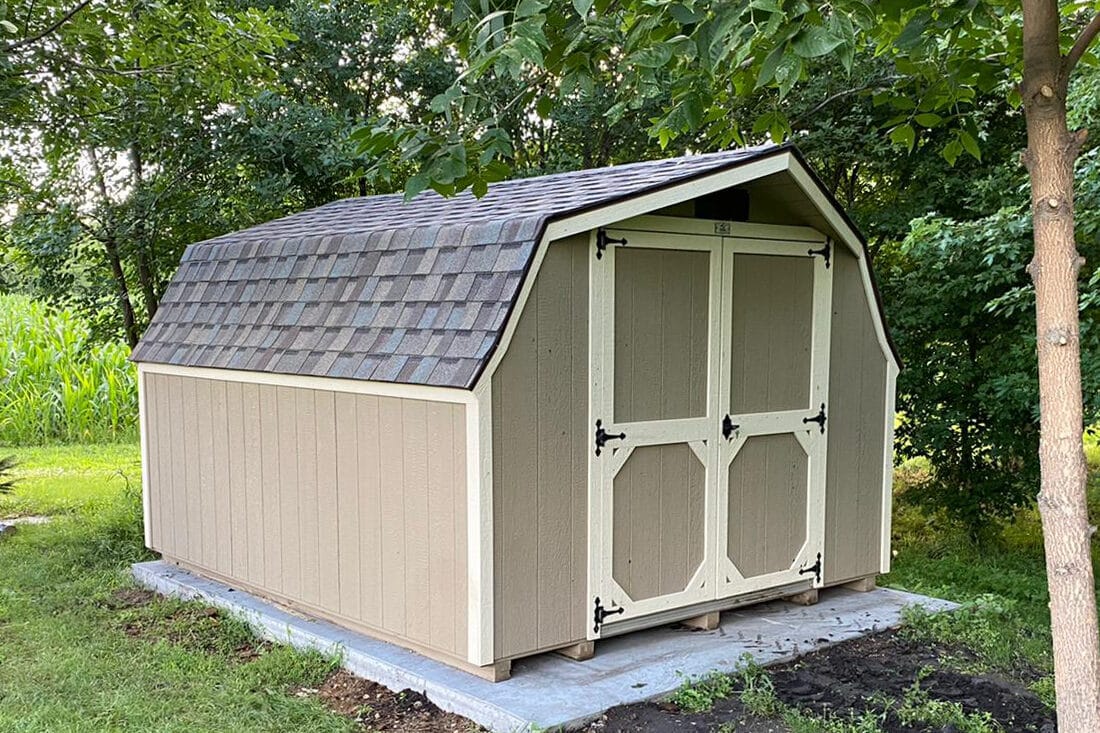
857,389
348,504
540,454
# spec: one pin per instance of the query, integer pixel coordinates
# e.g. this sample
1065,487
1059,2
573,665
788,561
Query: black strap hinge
815,569
602,436
600,613
729,427
602,240
819,418
826,252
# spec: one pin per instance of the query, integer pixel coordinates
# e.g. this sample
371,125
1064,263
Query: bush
57,383
962,310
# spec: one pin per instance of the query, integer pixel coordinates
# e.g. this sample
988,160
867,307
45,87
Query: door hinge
826,252
602,436
819,418
602,240
729,427
600,613
815,569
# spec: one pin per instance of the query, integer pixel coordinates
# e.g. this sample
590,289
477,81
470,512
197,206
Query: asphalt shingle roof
382,289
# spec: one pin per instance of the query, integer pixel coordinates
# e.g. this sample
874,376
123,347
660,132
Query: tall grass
56,383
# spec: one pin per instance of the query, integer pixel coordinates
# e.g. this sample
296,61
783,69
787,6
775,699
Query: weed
919,707
699,695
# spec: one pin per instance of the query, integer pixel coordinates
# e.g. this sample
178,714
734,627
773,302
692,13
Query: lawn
81,650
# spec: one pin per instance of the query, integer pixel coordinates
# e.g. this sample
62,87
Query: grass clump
57,383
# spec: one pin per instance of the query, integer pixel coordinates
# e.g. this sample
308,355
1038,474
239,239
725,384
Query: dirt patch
873,674
196,628
844,678
380,709
129,598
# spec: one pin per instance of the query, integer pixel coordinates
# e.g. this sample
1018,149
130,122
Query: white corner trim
888,467
143,438
479,527
455,395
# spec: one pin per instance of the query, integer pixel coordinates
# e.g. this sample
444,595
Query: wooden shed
584,404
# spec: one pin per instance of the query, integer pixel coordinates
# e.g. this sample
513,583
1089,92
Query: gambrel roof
377,288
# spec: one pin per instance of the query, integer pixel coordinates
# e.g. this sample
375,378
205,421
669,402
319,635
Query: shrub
57,383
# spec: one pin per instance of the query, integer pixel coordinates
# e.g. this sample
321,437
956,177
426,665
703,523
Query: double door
709,379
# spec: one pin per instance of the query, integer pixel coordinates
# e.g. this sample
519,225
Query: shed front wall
854,488
349,506
540,462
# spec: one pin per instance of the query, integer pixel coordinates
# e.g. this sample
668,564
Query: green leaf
814,41
582,7
8,26
928,119
544,106
416,184
970,144
767,69
527,8
904,135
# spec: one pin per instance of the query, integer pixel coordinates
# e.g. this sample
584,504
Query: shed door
773,388
655,337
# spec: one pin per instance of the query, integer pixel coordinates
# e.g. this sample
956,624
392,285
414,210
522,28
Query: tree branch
15,45
1084,40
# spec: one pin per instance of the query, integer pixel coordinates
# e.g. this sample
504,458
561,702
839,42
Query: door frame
653,230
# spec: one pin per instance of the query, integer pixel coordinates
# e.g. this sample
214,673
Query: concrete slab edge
274,624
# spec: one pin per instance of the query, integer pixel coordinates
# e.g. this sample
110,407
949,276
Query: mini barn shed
483,429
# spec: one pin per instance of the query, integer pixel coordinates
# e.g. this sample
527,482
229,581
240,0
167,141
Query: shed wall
349,506
856,434
540,462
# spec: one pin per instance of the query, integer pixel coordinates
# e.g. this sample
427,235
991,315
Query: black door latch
728,427
819,418
600,613
602,436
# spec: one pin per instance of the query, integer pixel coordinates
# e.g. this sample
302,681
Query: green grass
72,660
66,478
57,383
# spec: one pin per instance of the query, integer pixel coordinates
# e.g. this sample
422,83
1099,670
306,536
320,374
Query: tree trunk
1050,156
114,260
141,234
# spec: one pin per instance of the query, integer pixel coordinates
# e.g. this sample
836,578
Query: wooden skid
578,652
805,598
706,622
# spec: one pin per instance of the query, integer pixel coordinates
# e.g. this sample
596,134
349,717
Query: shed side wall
351,506
540,455
856,436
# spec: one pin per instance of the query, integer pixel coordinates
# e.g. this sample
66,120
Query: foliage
166,665
56,383
962,312
696,60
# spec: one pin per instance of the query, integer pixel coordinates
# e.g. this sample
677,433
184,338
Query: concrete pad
550,690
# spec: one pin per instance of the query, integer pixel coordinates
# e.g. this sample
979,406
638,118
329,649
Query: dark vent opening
732,204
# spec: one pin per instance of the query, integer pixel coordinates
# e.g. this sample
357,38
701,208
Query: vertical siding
658,524
772,333
349,506
661,326
857,393
540,462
